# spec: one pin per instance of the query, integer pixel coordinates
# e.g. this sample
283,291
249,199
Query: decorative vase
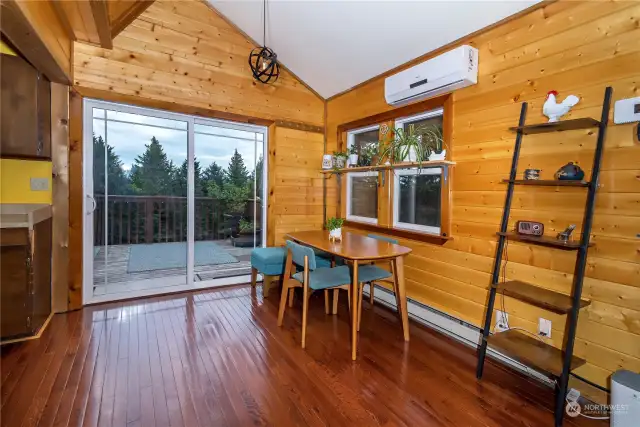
437,156
339,162
327,161
353,160
335,234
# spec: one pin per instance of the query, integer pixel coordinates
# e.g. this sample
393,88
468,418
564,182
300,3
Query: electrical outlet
573,395
39,184
544,327
502,321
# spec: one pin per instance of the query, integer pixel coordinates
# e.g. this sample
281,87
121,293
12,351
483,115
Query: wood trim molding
407,110
100,14
445,48
299,126
130,15
17,28
404,234
76,194
139,101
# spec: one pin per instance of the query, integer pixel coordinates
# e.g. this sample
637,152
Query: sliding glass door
173,202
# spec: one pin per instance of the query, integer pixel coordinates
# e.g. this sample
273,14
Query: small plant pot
353,160
335,234
339,162
411,155
437,156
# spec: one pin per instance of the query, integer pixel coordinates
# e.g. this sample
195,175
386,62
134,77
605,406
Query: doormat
162,256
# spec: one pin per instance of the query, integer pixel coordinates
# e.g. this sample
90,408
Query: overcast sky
128,140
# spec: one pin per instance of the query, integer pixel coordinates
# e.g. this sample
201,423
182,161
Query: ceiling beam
125,18
17,28
100,14
64,19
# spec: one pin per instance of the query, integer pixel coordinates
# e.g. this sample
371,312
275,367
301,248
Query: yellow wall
15,181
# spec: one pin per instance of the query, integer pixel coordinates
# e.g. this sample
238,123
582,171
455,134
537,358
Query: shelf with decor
400,165
555,362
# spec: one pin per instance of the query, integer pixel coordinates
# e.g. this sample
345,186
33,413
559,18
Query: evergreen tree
117,181
152,173
236,173
180,179
257,173
213,174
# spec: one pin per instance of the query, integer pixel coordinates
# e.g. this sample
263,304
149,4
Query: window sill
401,165
397,232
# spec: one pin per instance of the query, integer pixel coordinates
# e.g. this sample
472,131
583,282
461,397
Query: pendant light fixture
262,60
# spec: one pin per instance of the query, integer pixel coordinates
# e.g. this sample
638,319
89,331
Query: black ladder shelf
543,357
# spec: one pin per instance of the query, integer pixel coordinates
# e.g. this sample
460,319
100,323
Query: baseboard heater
453,327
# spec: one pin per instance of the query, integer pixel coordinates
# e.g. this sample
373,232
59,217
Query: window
430,118
360,138
362,187
417,199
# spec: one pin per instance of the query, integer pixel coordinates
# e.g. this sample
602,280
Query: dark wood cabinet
25,110
25,279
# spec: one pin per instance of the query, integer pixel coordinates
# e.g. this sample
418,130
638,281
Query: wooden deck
117,276
218,358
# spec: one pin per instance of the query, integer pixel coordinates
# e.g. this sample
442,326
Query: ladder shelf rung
570,245
573,124
548,182
540,297
532,352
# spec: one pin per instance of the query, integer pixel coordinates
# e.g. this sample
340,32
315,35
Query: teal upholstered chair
372,273
269,262
311,278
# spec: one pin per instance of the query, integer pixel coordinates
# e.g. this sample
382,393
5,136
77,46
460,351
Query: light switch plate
626,111
544,327
39,184
502,320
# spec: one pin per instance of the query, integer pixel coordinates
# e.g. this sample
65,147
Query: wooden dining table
361,249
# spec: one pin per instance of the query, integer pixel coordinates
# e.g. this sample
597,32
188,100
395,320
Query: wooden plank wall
185,53
576,48
183,56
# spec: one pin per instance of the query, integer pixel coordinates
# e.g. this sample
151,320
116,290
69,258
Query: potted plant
433,143
369,154
339,159
245,227
353,155
334,225
405,145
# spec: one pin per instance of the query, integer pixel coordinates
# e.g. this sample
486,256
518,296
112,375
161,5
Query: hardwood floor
217,358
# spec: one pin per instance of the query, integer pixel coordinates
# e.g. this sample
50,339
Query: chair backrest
298,252
386,239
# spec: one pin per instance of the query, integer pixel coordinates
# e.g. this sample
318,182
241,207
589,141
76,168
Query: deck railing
154,219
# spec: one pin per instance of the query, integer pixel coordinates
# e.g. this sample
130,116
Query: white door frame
88,203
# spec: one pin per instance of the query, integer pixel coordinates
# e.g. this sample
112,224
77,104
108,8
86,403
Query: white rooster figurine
553,110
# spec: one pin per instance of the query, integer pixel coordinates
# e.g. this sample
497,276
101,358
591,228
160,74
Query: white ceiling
333,45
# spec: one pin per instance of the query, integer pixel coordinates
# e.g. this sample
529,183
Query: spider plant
403,144
432,139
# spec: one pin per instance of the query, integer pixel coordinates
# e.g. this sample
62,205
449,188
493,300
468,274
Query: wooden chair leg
349,298
326,301
371,290
254,277
336,293
266,285
283,303
361,288
291,294
305,308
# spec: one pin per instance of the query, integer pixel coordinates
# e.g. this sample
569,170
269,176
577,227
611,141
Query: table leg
354,311
402,296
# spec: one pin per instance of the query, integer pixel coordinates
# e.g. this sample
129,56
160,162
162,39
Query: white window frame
357,218
396,199
350,175
399,123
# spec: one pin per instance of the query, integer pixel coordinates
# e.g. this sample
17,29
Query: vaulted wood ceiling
97,22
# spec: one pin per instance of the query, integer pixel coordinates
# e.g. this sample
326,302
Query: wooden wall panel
184,52
576,48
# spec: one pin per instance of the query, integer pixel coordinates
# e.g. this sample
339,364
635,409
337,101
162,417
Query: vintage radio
530,228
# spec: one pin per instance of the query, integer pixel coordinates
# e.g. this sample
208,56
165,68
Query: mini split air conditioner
445,73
